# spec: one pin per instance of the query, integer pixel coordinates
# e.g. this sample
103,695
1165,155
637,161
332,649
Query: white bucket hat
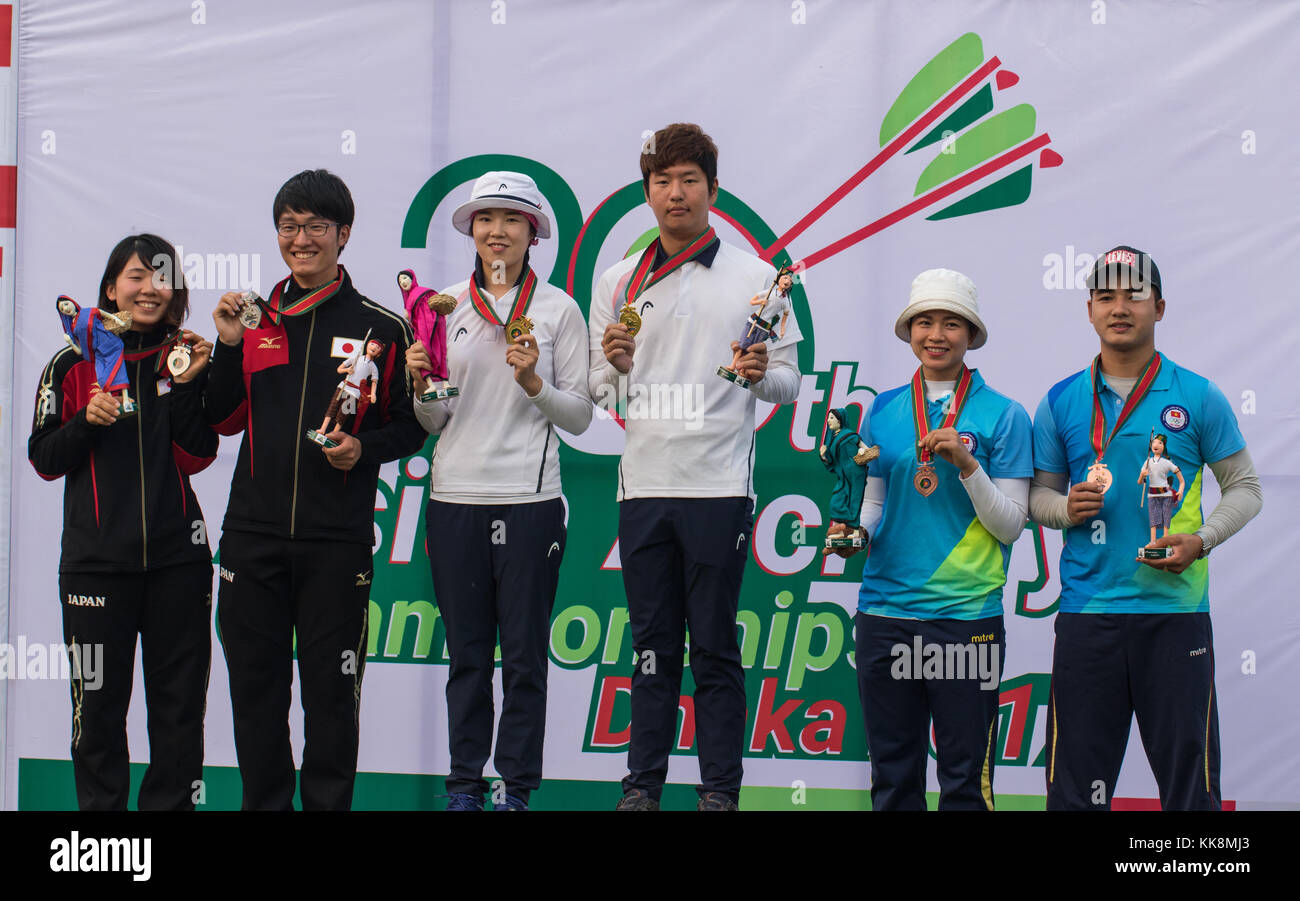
502,191
946,290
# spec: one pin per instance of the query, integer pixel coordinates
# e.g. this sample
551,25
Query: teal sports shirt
930,557
1099,568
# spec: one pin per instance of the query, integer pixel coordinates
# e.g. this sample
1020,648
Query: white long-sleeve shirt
690,433
497,445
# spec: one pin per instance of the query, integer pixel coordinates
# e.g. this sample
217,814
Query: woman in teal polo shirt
944,501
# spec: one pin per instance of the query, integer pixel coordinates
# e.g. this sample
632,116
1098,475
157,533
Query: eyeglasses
313,229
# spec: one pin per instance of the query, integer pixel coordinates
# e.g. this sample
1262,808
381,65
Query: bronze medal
630,318
1100,475
926,480
520,325
179,359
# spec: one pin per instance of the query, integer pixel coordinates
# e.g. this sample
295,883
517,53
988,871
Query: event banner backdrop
1012,141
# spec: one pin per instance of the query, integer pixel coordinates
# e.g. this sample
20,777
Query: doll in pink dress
427,312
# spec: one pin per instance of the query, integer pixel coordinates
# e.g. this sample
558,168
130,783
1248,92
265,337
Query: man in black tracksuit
296,544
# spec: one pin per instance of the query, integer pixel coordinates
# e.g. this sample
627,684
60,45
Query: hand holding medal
235,312
947,444
618,344
1079,505
521,350
188,357
522,354
926,479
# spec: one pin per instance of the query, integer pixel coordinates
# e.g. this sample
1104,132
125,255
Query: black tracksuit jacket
127,501
277,385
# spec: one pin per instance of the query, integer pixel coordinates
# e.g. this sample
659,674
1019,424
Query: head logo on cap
503,191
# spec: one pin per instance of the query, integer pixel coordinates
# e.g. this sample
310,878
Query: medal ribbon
141,353
484,307
304,304
920,412
1097,425
642,280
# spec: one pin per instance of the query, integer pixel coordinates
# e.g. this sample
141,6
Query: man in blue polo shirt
1133,630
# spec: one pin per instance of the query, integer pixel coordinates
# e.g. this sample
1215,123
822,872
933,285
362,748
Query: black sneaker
464,801
637,799
510,802
716,801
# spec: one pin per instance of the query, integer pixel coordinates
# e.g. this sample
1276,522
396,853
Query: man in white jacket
685,482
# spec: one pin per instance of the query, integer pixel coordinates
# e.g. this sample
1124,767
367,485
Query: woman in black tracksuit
135,551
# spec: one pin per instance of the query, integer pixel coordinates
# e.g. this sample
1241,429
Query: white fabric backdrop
1173,124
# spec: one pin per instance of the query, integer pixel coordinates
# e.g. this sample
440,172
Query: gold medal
520,325
926,480
630,318
1100,475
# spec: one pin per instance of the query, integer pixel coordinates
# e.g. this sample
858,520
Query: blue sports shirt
1099,568
931,557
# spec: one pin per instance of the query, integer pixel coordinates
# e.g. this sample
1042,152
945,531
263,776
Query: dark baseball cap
1124,268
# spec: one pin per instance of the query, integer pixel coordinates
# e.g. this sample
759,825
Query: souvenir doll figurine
427,312
844,453
761,325
1160,498
95,334
359,375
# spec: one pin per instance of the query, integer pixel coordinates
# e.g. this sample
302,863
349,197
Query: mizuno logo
270,343
364,578
86,600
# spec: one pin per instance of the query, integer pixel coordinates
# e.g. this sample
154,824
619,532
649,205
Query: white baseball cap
502,191
946,290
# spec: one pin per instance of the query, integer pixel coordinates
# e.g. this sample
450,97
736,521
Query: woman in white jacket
495,519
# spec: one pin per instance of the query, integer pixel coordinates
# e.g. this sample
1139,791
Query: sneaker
716,801
464,801
511,802
637,799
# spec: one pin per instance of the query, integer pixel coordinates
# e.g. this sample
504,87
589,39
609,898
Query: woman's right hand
102,409
417,361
